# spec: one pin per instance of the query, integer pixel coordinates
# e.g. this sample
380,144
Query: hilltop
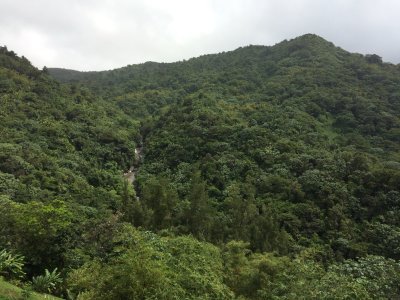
265,172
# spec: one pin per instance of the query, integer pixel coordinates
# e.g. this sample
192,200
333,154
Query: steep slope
328,79
11,292
64,202
62,154
286,158
303,136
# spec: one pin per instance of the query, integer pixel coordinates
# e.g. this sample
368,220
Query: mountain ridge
266,172
304,41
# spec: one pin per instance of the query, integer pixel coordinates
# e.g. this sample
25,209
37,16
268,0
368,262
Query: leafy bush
11,265
48,282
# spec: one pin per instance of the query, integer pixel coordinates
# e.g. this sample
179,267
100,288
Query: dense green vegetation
12,292
267,172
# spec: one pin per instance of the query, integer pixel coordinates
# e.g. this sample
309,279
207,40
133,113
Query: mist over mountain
260,173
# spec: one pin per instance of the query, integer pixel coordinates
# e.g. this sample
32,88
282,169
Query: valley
266,172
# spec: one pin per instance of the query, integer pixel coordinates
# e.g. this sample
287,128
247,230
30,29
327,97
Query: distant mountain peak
311,36
311,40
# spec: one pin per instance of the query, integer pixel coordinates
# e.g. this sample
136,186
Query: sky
105,34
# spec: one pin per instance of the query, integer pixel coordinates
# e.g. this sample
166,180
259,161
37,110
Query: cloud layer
106,34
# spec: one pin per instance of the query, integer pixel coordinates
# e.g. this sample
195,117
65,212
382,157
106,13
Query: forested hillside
265,173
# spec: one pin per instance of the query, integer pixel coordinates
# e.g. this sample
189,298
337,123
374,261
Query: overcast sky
106,34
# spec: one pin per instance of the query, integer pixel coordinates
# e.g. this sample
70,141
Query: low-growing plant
48,282
11,265
26,293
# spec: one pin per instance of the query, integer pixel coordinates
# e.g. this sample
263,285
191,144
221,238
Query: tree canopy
264,173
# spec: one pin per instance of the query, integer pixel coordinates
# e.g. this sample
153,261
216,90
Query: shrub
11,265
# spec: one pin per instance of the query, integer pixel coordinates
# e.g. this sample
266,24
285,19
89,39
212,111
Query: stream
130,175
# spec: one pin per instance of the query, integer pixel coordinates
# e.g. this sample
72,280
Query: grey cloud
105,34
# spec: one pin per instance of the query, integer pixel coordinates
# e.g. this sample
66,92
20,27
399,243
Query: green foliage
286,157
379,276
48,282
9,291
160,197
267,276
40,232
11,265
150,267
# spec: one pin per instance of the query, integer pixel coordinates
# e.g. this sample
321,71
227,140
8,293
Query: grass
9,291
